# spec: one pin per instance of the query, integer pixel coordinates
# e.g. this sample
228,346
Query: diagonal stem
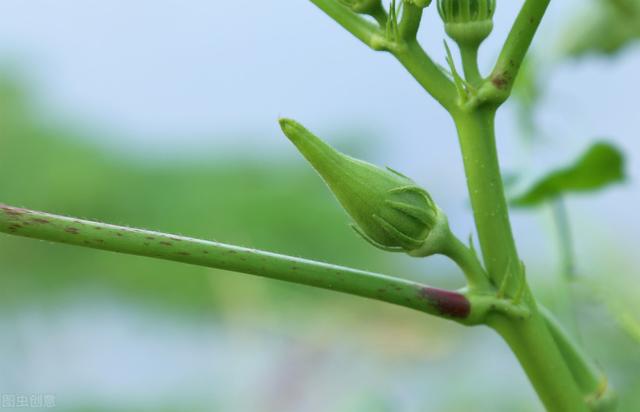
406,49
358,26
500,82
55,228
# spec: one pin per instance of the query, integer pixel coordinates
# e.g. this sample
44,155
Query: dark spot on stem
184,253
500,80
150,237
13,211
99,241
446,302
40,220
166,243
119,234
72,230
206,252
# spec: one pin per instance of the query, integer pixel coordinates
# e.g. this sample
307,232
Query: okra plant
391,212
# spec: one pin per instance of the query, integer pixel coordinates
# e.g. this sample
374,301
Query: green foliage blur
278,206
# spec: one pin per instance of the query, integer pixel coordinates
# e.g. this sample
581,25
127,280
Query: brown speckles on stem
184,253
500,80
165,243
446,302
72,230
13,211
40,220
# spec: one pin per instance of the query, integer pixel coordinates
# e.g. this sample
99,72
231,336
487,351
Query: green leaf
601,165
606,28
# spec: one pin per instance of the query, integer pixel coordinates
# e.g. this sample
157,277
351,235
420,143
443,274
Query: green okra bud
388,208
467,22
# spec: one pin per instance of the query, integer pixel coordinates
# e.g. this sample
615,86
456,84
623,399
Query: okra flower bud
388,208
467,22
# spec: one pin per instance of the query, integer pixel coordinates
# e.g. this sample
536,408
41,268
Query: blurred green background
109,332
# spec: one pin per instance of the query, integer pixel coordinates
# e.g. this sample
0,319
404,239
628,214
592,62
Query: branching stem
498,87
406,49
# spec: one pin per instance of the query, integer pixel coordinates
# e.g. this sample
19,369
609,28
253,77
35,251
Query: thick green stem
477,142
529,339
45,226
535,349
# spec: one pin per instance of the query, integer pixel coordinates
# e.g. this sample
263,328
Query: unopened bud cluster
468,22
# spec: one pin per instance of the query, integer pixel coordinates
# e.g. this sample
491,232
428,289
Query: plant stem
411,16
529,339
406,49
468,262
515,49
427,73
587,375
469,55
565,240
45,226
355,24
542,361
567,263
477,142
